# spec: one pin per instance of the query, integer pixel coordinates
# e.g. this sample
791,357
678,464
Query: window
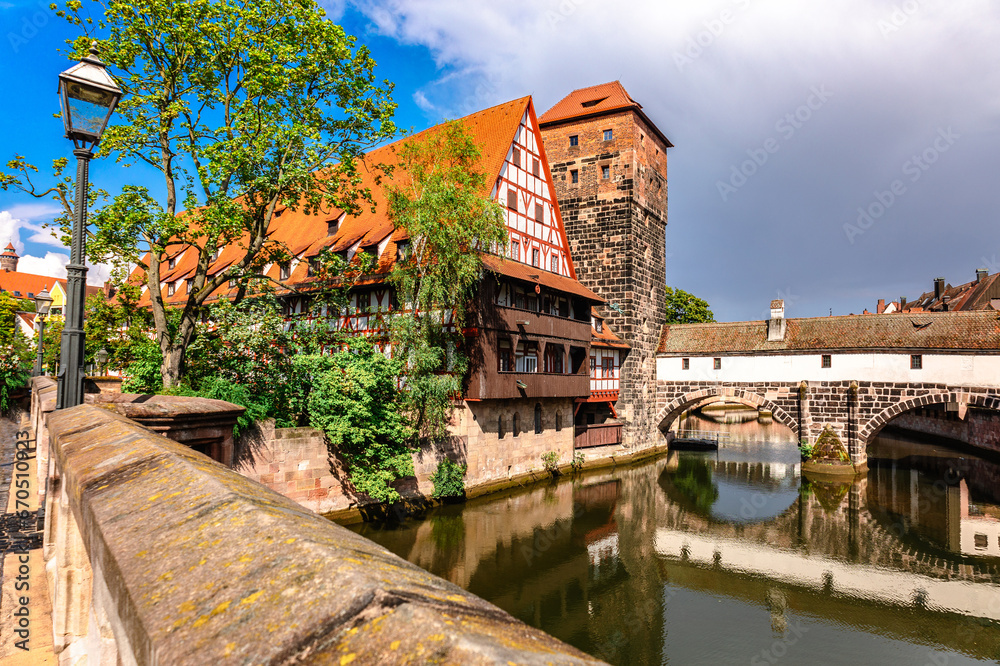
172,263
608,367
402,250
981,541
827,361
606,171
916,362
31,294
515,251
534,256
516,156
171,288
558,421
511,198
232,282
574,140
538,419
608,135
685,364
554,359
215,254
187,286
718,364
532,302
500,429
332,226
555,263
593,367
313,267
574,176
539,213
526,357
519,299
284,270
598,325
505,357
517,425
17,293
534,167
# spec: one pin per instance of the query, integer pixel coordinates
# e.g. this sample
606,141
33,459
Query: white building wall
955,369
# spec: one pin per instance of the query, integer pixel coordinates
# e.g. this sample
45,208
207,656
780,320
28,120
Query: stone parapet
179,560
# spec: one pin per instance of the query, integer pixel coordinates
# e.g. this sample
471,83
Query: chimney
776,324
881,306
981,274
902,303
938,287
8,260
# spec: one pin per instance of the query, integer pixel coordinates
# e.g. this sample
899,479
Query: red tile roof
978,330
534,275
599,99
606,338
304,235
974,295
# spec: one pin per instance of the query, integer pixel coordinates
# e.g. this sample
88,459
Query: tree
244,109
683,308
437,197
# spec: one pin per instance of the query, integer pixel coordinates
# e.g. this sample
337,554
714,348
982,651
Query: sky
829,154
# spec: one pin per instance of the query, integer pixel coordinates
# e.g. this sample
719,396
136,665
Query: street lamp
101,356
88,96
43,301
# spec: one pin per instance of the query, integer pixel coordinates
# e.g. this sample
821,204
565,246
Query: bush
14,374
551,461
142,374
806,449
257,407
449,480
578,460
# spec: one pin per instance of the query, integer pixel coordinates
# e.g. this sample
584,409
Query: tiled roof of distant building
978,330
602,99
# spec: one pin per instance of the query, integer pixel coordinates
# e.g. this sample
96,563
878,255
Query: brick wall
615,228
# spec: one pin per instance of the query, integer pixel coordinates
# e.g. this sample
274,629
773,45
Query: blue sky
830,154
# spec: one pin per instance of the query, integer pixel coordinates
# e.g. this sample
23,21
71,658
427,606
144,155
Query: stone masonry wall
616,228
295,461
854,420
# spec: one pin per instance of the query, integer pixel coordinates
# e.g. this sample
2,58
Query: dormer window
215,254
593,102
598,325
284,270
333,226
172,262
171,288
403,250
313,267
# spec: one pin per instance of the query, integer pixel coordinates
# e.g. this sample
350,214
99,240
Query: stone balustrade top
204,566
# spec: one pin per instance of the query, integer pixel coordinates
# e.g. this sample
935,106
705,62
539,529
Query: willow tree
244,108
440,197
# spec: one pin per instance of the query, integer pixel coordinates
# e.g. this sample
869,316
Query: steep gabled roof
492,129
978,330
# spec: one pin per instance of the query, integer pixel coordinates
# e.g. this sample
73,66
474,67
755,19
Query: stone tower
609,163
8,260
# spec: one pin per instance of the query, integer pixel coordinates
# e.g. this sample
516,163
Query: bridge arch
876,423
679,405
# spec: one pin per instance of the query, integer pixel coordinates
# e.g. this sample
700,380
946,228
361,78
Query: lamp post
43,301
88,96
101,356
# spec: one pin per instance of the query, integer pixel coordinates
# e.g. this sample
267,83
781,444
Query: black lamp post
43,301
101,357
88,95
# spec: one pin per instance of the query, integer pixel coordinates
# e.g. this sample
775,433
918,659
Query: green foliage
354,400
218,388
683,308
142,374
693,478
14,373
243,109
448,479
440,198
550,459
807,450
578,460
118,325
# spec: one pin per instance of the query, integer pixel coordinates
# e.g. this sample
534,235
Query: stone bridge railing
157,554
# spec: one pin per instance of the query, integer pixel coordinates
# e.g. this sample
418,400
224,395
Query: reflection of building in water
980,532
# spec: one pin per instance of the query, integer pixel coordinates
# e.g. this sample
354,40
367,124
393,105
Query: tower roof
592,101
10,250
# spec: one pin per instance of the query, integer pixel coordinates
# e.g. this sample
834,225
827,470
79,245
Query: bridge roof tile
978,330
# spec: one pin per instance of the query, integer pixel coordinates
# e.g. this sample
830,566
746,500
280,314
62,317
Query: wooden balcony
506,385
604,434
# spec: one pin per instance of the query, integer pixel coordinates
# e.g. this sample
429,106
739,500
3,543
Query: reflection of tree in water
693,479
448,535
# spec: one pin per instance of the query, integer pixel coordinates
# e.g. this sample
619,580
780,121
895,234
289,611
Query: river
734,557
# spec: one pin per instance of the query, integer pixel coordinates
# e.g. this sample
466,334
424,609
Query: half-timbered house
531,337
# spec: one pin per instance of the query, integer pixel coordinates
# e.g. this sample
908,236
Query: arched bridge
852,375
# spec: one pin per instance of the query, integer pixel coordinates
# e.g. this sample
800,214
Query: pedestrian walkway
25,606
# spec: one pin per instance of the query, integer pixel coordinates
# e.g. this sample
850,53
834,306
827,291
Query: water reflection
736,557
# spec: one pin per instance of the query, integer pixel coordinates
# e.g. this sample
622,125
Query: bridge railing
159,555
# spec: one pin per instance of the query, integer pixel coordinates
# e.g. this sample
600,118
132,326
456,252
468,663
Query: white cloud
45,212
52,264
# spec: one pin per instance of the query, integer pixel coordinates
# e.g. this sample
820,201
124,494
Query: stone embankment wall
157,554
979,428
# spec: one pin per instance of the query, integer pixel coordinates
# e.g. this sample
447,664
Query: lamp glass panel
88,107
